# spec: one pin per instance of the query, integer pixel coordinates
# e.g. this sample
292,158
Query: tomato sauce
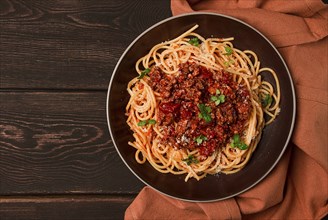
190,115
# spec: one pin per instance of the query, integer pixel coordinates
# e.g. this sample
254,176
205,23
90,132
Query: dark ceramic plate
275,136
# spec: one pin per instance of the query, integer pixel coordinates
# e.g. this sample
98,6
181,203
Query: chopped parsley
266,100
144,73
191,159
228,63
218,99
237,142
204,112
145,122
200,139
151,121
228,50
194,41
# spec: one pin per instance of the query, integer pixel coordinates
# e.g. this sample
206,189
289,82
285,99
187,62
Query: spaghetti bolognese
198,106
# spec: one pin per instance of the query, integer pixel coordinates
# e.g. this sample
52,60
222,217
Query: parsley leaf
151,121
142,123
237,142
214,98
204,112
236,138
218,99
191,159
145,122
194,41
222,98
242,146
200,139
266,100
228,63
228,50
144,73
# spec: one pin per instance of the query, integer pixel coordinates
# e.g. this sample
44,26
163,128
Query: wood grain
57,160
57,143
68,207
69,44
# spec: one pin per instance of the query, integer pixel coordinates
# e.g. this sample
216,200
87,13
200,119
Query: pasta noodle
218,56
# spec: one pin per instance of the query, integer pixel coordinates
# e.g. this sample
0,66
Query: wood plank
57,143
68,207
69,44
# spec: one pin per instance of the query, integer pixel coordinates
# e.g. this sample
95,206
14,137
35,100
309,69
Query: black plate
275,136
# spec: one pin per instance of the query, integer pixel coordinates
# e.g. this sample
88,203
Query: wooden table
57,160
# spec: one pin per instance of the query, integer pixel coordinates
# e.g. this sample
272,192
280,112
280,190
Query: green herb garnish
145,122
194,41
228,63
151,121
266,100
218,99
200,139
191,159
144,73
237,142
204,112
228,50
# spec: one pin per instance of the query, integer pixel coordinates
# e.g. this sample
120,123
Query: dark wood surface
57,160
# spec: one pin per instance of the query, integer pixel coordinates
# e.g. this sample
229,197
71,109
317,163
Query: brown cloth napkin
297,188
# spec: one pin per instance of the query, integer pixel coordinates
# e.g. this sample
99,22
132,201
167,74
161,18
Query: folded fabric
297,188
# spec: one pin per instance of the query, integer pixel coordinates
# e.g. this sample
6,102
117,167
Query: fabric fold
283,29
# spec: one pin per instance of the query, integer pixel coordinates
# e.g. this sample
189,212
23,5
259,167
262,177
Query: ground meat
180,117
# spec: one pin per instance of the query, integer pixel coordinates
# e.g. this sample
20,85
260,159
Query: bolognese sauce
200,108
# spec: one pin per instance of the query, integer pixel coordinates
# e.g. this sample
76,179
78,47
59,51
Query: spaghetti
198,106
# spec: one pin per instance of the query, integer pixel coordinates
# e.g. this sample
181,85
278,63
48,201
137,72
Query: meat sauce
179,113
